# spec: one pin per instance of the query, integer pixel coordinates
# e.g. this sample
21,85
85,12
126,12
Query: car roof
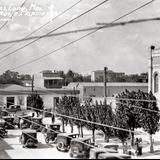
7,117
29,131
67,134
110,155
37,117
101,149
54,124
82,139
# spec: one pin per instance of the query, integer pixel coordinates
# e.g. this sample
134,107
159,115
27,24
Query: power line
142,6
105,25
54,29
86,121
39,28
11,16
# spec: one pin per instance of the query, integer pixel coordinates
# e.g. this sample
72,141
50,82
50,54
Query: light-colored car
14,108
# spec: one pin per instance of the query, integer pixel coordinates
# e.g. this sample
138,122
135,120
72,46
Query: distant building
27,83
95,90
48,79
18,95
97,76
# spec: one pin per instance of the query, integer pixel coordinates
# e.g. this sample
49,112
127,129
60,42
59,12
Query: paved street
11,148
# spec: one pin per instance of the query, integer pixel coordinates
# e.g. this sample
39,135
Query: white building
155,75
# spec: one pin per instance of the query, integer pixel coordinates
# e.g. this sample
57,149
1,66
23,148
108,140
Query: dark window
156,84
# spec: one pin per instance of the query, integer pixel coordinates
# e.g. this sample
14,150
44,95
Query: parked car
52,132
80,148
29,138
109,146
113,156
13,108
94,152
3,131
63,141
9,122
37,124
23,121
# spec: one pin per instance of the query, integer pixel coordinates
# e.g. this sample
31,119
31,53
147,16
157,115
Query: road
10,148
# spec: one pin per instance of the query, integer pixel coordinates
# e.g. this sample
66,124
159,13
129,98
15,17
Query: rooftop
87,84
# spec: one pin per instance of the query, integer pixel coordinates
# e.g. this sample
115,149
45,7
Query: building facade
154,86
48,79
95,90
18,95
97,76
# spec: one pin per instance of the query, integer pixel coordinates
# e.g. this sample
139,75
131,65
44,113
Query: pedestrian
136,146
140,147
125,149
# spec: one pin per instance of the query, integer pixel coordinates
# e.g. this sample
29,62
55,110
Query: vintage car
23,121
113,156
52,132
109,146
80,148
63,141
13,108
9,122
29,138
37,124
3,131
47,112
94,152
4,113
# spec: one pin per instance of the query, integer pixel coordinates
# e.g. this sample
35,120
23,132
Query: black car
63,141
9,122
52,132
29,138
3,131
80,148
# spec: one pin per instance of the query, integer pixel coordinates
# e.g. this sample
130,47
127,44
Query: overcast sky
122,49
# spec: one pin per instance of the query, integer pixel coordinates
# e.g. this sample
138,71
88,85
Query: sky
121,49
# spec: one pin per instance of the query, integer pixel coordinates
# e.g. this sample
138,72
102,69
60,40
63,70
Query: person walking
137,146
140,147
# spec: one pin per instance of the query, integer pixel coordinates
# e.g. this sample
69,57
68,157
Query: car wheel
60,146
47,140
21,139
30,143
75,152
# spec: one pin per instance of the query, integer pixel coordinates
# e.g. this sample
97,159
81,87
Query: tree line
129,115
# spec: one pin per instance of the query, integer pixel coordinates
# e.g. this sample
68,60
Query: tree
150,119
106,116
121,122
36,102
126,108
10,77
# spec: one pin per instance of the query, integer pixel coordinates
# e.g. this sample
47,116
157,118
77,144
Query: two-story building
47,84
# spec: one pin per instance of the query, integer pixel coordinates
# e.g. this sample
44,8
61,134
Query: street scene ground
11,148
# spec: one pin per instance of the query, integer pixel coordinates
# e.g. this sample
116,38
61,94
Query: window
156,84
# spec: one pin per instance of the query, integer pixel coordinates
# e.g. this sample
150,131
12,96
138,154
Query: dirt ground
10,147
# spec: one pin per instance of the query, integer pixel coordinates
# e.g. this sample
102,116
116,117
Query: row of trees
139,114
128,115
10,77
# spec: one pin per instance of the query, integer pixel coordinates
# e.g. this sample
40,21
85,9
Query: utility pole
105,84
32,91
151,68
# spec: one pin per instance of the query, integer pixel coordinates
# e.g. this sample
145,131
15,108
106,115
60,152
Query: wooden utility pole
151,69
32,91
105,84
